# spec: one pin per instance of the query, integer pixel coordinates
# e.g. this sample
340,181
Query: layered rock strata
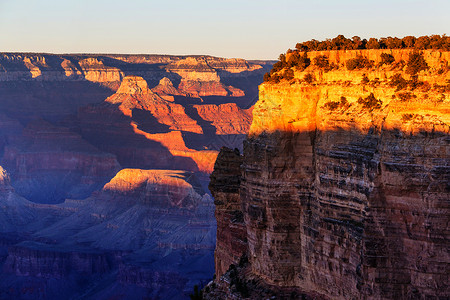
48,163
69,123
345,182
231,232
199,78
33,259
53,86
144,130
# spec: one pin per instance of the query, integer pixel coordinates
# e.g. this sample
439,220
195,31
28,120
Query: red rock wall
231,232
350,202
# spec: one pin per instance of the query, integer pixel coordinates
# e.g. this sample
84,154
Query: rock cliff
345,180
231,232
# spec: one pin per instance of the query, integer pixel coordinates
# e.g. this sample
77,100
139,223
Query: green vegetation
370,102
358,62
309,78
386,59
405,96
342,43
288,74
365,79
416,63
297,59
442,88
321,61
398,81
293,59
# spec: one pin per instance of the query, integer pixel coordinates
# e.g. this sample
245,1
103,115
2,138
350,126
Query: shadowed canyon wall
345,183
104,164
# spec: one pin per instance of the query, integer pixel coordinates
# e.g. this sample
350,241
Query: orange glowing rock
133,94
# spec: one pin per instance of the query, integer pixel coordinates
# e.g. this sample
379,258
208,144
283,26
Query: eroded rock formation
231,232
54,86
70,124
345,181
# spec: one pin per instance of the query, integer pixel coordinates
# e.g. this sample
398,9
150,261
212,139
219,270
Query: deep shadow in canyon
103,191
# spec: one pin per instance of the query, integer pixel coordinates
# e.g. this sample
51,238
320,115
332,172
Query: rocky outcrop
199,77
226,118
231,232
345,181
159,224
133,94
144,130
156,187
166,90
16,212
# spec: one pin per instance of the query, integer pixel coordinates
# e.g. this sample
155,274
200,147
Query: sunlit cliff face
344,180
297,105
168,187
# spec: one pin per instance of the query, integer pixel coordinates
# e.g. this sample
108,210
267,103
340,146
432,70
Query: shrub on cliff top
358,62
298,60
386,59
295,59
406,96
288,74
416,63
321,61
342,43
398,81
365,79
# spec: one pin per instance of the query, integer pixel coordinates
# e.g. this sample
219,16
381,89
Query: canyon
105,163
343,186
328,181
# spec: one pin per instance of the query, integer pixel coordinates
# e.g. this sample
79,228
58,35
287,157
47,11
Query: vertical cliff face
345,181
231,232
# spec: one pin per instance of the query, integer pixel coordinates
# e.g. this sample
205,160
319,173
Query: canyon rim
342,190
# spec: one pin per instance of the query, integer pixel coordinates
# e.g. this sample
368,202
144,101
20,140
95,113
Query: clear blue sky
252,29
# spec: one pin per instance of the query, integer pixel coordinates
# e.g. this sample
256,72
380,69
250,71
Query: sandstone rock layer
349,201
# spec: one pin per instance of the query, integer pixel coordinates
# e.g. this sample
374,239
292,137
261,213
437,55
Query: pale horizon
254,30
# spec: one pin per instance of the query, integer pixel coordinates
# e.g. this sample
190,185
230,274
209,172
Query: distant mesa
133,85
167,187
166,88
